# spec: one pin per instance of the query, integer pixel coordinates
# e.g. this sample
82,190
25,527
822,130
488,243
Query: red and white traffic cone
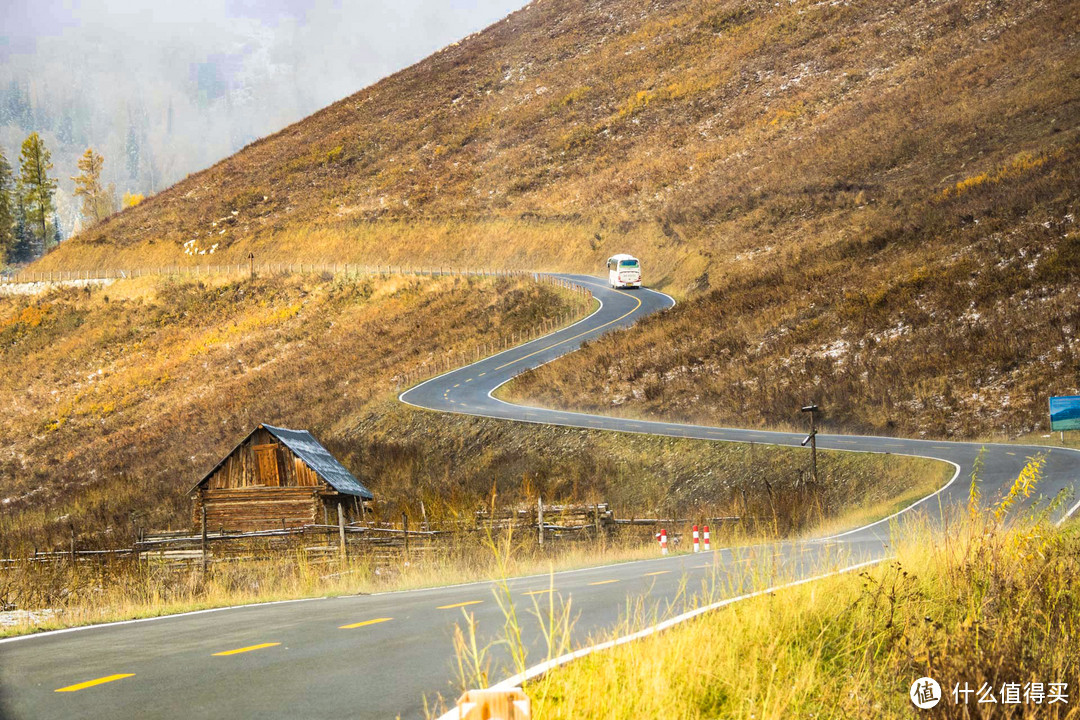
697,546
663,541
707,548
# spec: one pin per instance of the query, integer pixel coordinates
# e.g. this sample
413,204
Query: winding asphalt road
380,655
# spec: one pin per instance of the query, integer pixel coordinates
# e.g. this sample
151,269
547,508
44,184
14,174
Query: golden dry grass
121,397
958,321
876,200
696,134
117,398
984,600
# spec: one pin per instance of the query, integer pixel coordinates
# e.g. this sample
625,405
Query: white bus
624,271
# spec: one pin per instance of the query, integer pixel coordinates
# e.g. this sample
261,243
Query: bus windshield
628,263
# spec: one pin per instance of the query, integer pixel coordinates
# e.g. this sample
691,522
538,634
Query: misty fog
165,89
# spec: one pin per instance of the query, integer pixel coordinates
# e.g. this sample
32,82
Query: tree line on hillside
29,226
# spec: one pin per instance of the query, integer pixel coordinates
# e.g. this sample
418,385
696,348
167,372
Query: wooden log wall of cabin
259,508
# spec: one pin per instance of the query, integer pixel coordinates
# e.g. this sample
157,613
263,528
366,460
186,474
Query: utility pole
812,439
251,262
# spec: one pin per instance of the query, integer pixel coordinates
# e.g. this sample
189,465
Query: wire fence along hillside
335,268
438,365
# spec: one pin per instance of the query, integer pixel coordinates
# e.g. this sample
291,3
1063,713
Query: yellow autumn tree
98,202
133,199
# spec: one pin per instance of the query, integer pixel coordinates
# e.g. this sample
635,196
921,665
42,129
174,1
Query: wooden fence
384,543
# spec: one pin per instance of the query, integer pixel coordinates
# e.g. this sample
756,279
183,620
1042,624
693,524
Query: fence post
540,520
203,514
405,525
341,530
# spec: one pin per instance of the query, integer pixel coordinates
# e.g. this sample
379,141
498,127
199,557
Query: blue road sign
1065,413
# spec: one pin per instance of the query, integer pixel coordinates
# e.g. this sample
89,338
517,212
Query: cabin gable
261,461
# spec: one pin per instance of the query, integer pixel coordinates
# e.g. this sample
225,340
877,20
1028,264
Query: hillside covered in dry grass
117,400
871,204
702,135
958,324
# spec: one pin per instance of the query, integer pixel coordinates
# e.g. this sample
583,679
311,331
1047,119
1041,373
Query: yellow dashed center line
365,622
1011,453
658,572
603,582
92,683
469,380
539,592
249,648
460,604
482,374
457,384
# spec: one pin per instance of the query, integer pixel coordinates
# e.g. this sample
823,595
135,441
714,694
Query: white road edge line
548,665
170,616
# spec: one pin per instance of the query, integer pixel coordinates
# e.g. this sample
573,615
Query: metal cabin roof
315,456
319,459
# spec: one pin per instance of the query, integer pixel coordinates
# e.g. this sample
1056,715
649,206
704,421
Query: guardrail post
510,704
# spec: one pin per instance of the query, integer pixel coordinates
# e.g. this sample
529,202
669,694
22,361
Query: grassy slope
697,131
982,605
959,322
880,196
120,398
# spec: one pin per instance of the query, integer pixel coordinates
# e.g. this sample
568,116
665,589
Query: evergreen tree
98,202
65,131
17,108
58,233
7,210
36,188
24,249
132,150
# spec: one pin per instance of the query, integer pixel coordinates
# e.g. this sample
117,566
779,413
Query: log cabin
277,477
